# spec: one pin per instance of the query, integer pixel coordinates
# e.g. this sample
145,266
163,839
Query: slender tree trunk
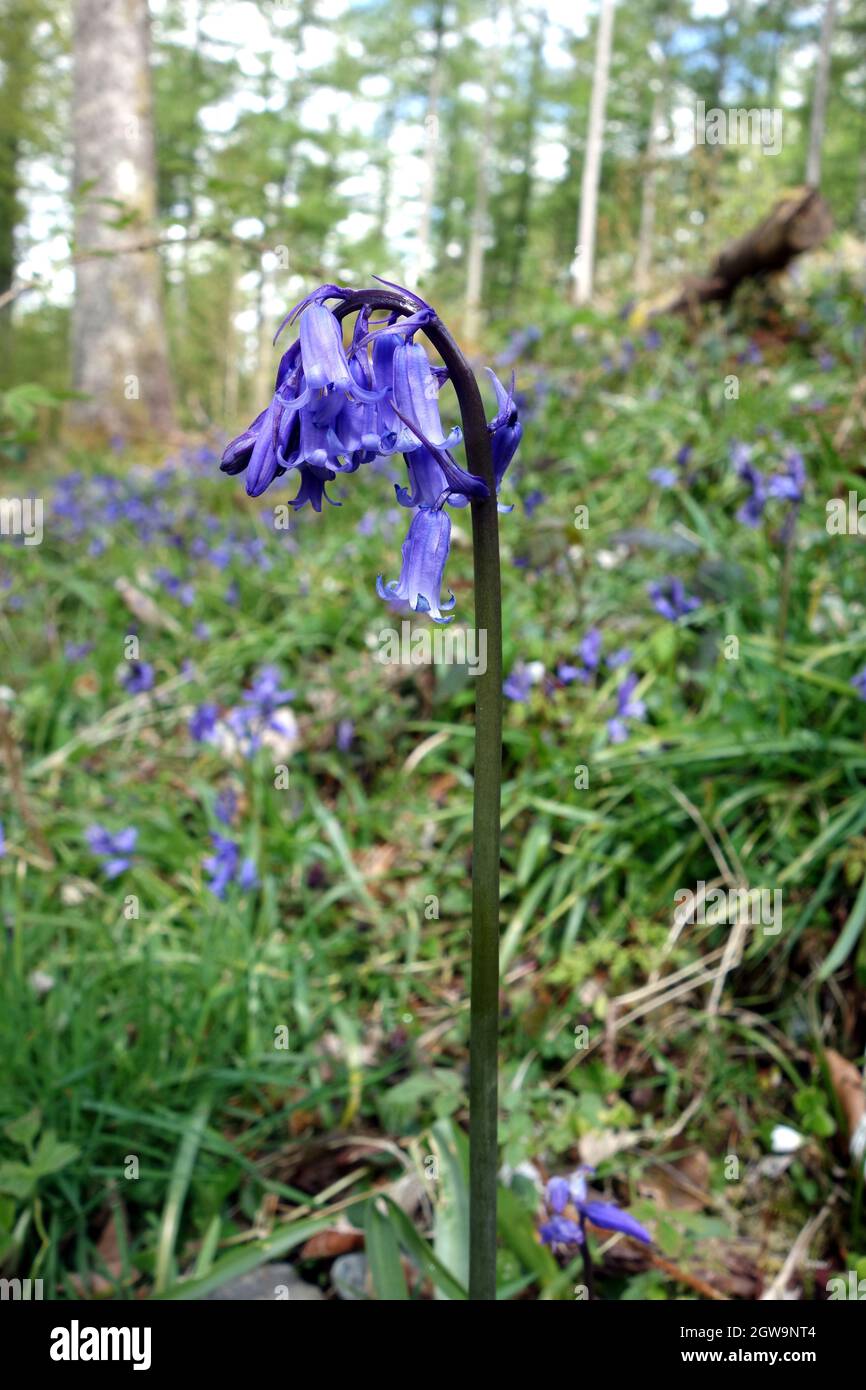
424,254
529,127
478,229
584,258
819,97
119,346
643,258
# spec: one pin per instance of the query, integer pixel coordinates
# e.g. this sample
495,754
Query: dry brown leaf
680,1186
326,1245
848,1085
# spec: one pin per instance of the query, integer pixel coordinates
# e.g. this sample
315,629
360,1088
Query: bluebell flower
790,485
336,409
565,1195
263,703
77,651
114,849
589,650
670,600
345,734
518,684
859,683
626,708
138,677
203,722
621,657
664,477
225,867
225,806
533,500
505,428
568,673
425,552
2,841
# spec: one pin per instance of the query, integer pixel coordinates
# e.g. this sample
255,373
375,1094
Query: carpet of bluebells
234,856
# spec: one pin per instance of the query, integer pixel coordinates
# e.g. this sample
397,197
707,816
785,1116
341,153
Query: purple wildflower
790,485
345,734
335,409
518,684
203,722
425,552
626,708
670,600
571,1193
859,683
664,477
77,651
115,849
225,867
138,677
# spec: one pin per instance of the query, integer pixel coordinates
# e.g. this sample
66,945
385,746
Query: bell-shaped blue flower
425,553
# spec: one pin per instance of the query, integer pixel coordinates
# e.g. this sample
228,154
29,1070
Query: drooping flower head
569,1208
336,408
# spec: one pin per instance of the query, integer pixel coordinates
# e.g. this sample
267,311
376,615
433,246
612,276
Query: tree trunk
643,258
584,256
819,97
478,228
424,256
118,333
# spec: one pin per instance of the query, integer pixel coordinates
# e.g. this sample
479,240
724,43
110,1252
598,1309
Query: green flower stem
484,1012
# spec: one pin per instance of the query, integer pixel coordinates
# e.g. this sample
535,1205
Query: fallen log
799,221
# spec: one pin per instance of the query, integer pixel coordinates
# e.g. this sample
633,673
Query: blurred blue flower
670,600
77,651
203,722
225,806
790,485
518,684
225,866
859,683
665,477
626,708
114,848
138,677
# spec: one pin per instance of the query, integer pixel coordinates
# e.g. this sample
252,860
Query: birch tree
819,96
118,334
584,256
